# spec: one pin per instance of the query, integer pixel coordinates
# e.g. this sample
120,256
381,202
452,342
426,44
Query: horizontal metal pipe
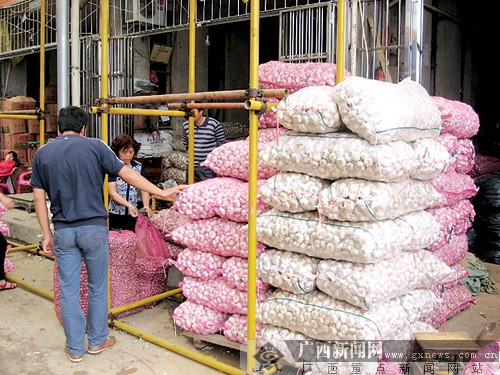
30,287
253,105
145,301
137,111
18,117
210,95
206,360
206,105
21,112
23,247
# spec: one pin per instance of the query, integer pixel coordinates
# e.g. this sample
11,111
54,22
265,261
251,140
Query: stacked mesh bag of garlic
352,226
214,261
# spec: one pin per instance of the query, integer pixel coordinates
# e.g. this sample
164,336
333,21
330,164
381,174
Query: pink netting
84,291
271,134
235,328
455,187
459,118
453,220
232,160
466,155
216,235
197,318
200,264
123,281
168,220
221,196
217,295
235,274
454,251
459,273
3,210
449,303
292,76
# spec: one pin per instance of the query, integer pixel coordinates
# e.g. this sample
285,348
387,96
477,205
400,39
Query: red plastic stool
24,180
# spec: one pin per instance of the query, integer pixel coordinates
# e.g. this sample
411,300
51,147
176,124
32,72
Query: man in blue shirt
70,170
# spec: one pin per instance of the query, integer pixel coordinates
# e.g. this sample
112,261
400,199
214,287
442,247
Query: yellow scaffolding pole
340,40
252,185
191,86
42,71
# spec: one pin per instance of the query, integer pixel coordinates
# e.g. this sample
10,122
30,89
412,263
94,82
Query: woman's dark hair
72,118
15,157
124,141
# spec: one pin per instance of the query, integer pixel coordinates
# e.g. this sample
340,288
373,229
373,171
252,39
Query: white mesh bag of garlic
353,199
370,285
289,271
363,242
340,155
310,110
324,318
433,159
381,112
293,192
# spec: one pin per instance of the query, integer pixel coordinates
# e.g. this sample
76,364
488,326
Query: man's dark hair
72,118
124,141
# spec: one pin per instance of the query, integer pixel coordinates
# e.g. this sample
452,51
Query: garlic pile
320,316
454,251
382,112
231,160
340,155
310,110
216,235
200,264
293,192
122,266
458,118
167,220
280,75
289,271
217,295
363,242
449,303
223,196
462,151
271,134
235,328
452,220
454,187
359,200
458,274
197,318
235,274
368,286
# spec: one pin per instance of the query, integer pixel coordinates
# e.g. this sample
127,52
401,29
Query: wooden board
216,340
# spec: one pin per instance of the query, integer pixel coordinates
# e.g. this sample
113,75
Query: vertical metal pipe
354,37
191,85
340,40
252,186
42,68
75,52
62,11
104,80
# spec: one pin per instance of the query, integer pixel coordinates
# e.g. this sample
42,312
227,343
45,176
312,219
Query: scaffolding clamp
253,93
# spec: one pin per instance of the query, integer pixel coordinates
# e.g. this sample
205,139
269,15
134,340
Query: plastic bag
150,242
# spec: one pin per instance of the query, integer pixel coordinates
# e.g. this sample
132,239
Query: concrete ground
32,338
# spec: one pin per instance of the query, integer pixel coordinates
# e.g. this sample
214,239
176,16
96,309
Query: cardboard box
51,124
50,94
18,103
13,126
51,109
30,155
36,137
33,126
21,154
15,141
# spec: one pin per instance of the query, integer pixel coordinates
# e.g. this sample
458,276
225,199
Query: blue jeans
90,242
